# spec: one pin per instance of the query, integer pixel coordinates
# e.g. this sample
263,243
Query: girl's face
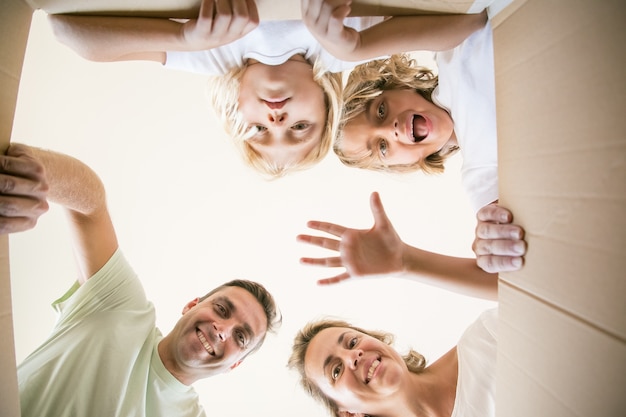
357,371
287,107
398,127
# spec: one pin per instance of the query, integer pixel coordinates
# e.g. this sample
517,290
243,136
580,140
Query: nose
276,117
354,357
222,330
390,131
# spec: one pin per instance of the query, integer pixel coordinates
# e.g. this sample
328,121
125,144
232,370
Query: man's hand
23,190
324,19
219,23
377,251
499,244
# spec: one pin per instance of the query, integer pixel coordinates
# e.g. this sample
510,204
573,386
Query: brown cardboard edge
15,19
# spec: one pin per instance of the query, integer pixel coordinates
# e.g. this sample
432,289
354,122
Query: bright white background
190,216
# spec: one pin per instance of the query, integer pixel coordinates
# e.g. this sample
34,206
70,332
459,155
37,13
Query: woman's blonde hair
365,83
224,96
414,361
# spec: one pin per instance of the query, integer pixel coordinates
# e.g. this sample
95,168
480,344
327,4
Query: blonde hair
224,96
414,361
365,83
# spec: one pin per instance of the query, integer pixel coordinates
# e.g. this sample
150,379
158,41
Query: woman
355,372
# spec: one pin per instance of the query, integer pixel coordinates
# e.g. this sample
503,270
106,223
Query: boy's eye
381,110
382,146
300,126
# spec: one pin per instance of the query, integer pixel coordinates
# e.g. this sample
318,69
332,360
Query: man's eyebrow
330,357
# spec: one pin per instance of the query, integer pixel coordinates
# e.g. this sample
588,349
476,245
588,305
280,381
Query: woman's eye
352,343
335,372
382,146
300,126
260,129
381,110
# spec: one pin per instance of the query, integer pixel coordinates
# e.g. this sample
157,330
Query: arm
73,185
499,245
324,18
107,38
380,251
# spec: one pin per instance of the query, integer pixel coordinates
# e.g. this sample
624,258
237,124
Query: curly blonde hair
365,83
414,361
223,94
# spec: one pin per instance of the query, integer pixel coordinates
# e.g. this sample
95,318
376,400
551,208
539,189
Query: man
105,356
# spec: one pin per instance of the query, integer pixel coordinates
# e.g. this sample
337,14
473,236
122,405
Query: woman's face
286,105
357,371
398,127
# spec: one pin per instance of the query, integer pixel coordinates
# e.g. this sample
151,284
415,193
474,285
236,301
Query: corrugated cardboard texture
561,97
15,19
551,364
268,9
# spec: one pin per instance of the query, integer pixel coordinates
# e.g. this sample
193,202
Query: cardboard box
560,101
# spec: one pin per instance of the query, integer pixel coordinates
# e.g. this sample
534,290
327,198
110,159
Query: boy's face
398,127
287,107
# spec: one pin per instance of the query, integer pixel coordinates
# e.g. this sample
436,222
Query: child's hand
324,19
220,22
377,251
23,190
499,244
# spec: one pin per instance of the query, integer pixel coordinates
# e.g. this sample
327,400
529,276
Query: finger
11,206
223,15
16,224
376,205
495,264
502,247
487,230
252,12
322,242
334,280
333,229
11,185
494,213
332,262
206,10
23,165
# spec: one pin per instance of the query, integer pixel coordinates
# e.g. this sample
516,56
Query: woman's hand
499,244
364,253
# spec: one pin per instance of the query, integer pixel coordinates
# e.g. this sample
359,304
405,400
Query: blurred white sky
190,216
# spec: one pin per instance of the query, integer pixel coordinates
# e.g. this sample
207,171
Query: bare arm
77,188
324,18
379,251
107,38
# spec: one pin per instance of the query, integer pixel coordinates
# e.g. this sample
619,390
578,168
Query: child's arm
324,18
379,251
105,38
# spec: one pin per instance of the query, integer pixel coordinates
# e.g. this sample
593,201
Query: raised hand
364,253
324,19
23,190
499,244
220,22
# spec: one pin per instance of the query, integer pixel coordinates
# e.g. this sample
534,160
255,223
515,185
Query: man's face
214,335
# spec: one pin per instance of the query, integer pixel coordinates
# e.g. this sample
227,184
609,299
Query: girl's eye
382,146
335,372
260,129
381,110
300,126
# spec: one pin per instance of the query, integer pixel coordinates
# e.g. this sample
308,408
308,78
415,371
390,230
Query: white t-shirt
272,43
101,358
466,90
476,383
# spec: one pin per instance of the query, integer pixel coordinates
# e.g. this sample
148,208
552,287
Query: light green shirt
101,358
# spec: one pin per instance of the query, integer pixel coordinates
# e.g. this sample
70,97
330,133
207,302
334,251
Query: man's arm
28,174
379,251
324,18
108,38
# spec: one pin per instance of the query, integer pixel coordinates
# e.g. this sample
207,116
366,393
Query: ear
191,305
236,364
